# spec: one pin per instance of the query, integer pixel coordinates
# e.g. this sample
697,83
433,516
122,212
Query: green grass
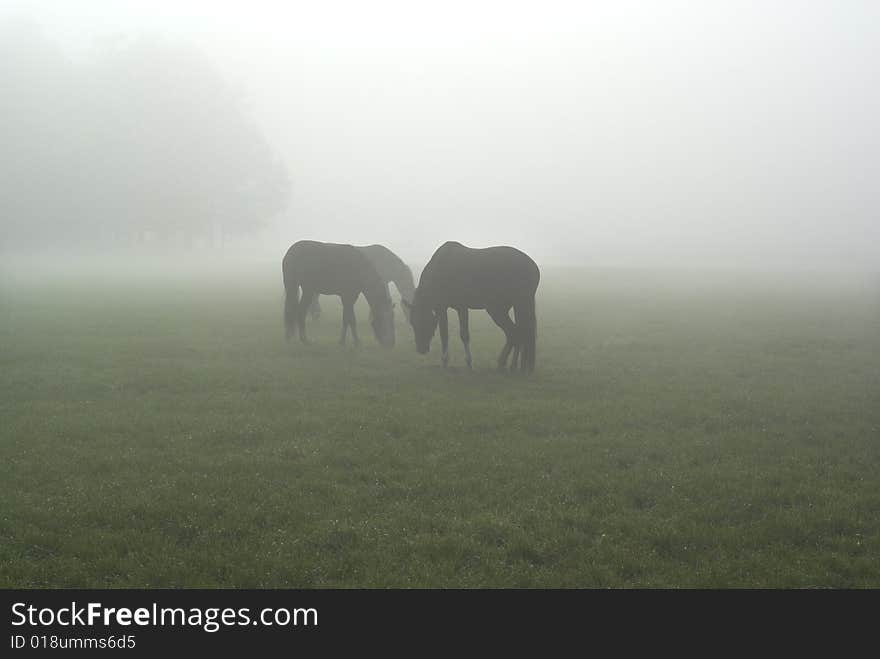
681,430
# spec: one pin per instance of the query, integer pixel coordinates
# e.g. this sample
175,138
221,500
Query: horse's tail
291,302
528,327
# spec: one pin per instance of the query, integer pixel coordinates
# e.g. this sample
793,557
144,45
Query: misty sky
685,133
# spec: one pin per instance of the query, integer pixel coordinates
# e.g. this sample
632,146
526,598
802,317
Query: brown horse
391,269
332,269
495,279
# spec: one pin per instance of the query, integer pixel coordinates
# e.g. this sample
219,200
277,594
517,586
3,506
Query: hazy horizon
625,134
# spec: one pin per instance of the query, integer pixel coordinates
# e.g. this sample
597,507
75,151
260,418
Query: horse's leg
291,304
348,317
522,317
515,360
501,317
344,325
465,334
443,322
307,297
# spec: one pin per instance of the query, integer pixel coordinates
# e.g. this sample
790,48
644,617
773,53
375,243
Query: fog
734,134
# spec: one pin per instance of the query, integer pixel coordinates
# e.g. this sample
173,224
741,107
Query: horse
494,279
390,268
333,269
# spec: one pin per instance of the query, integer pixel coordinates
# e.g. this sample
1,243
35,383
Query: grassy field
681,430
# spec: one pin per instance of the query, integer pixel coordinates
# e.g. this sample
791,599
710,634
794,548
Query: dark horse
494,279
390,268
333,269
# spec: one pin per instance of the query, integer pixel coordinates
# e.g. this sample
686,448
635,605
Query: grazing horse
390,268
494,279
333,269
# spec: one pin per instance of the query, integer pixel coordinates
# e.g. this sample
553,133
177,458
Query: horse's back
325,267
480,277
376,250
311,250
382,258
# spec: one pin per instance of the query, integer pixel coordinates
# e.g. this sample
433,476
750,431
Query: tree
37,180
146,136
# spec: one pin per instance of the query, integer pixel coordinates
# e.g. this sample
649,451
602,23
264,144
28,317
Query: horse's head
382,321
424,324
